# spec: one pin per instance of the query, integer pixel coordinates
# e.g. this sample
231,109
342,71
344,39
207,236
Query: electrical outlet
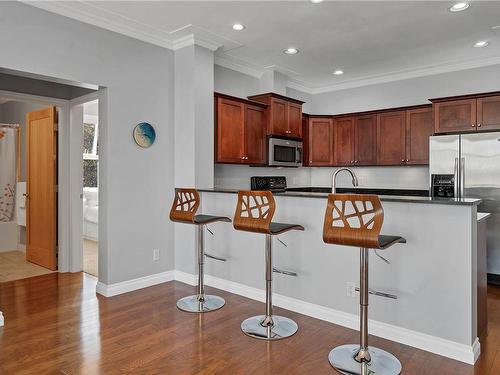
156,255
350,289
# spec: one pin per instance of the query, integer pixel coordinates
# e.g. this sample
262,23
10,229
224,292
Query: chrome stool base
282,328
191,304
382,362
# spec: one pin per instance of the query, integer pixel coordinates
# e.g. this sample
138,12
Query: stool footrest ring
284,272
380,294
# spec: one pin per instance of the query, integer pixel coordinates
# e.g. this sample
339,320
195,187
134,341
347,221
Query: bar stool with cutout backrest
356,220
186,203
254,212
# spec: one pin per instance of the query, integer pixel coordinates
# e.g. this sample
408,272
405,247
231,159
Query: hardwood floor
56,324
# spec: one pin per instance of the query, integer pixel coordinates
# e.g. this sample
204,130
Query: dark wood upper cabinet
283,114
255,134
488,113
455,116
365,135
343,141
240,131
419,127
391,134
295,119
320,141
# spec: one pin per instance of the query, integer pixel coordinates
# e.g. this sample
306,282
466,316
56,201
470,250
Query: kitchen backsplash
238,176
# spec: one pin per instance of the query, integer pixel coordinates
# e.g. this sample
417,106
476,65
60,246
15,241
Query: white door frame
64,208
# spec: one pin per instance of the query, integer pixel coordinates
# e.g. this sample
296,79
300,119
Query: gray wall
136,184
14,112
231,82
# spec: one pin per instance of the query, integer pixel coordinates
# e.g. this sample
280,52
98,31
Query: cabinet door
365,140
419,127
391,131
343,144
230,119
294,120
488,113
455,116
278,122
255,135
320,141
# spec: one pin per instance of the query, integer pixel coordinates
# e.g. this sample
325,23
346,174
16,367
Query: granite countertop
383,198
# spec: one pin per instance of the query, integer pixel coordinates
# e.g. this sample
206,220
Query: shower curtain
8,171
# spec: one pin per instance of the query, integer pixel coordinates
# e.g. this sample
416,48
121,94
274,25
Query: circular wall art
144,134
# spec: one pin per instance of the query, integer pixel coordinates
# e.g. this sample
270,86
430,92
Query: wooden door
419,127
455,116
294,120
391,132
343,144
365,140
278,122
230,120
488,113
255,134
320,141
41,188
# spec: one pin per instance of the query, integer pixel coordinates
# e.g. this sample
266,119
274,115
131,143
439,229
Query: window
90,154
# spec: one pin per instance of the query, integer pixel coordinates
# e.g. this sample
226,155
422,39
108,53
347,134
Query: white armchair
90,213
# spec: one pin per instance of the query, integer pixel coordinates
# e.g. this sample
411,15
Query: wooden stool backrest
254,211
353,220
186,203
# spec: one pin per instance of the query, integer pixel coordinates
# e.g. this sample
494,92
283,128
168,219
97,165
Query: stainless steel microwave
284,153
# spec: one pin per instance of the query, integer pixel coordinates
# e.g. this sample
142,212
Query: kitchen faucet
334,178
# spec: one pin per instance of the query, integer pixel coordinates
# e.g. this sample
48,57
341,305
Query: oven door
284,153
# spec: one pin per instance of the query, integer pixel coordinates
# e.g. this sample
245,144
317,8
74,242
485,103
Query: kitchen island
433,274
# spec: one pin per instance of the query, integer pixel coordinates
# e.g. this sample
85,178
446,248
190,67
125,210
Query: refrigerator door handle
462,177
456,173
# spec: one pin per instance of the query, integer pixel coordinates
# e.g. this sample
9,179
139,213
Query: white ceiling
372,41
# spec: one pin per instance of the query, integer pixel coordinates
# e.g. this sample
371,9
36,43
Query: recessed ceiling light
338,72
316,1
238,27
291,51
481,44
458,7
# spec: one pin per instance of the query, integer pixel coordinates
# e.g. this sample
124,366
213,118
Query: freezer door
444,156
481,179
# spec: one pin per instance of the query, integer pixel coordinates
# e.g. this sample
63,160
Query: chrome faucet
334,178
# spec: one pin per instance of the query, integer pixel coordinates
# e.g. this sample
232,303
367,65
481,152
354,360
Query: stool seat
385,241
207,219
278,228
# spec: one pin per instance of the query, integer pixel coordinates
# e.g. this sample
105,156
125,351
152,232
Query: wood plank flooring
56,324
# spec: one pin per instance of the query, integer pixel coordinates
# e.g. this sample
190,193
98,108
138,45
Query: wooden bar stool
254,212
356,220
186,203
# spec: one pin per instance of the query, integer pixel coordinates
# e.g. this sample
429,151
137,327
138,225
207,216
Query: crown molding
407,74
190,40
239,66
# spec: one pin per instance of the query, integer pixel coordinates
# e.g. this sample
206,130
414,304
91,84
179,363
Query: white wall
231,82
136,183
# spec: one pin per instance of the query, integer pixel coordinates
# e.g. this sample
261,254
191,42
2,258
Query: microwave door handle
456,174
462,177
298,155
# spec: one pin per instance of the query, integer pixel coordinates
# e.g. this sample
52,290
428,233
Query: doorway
90,191
28,179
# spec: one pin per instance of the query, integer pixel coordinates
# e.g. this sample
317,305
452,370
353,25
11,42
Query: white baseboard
433,344
1,319
131,285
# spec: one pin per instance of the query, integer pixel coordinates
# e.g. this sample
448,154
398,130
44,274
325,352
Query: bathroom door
41,188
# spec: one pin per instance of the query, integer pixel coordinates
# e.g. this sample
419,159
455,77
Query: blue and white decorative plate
144,134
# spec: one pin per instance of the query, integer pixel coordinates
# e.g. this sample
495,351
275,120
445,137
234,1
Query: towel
21,203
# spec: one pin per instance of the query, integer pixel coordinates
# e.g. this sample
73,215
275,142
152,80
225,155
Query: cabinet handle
407,160
473,125
478,125
355,162
402,160
352,161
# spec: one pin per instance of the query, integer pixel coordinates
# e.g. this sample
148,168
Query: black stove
273,183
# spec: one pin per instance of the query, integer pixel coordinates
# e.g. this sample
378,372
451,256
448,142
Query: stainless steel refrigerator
474,160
